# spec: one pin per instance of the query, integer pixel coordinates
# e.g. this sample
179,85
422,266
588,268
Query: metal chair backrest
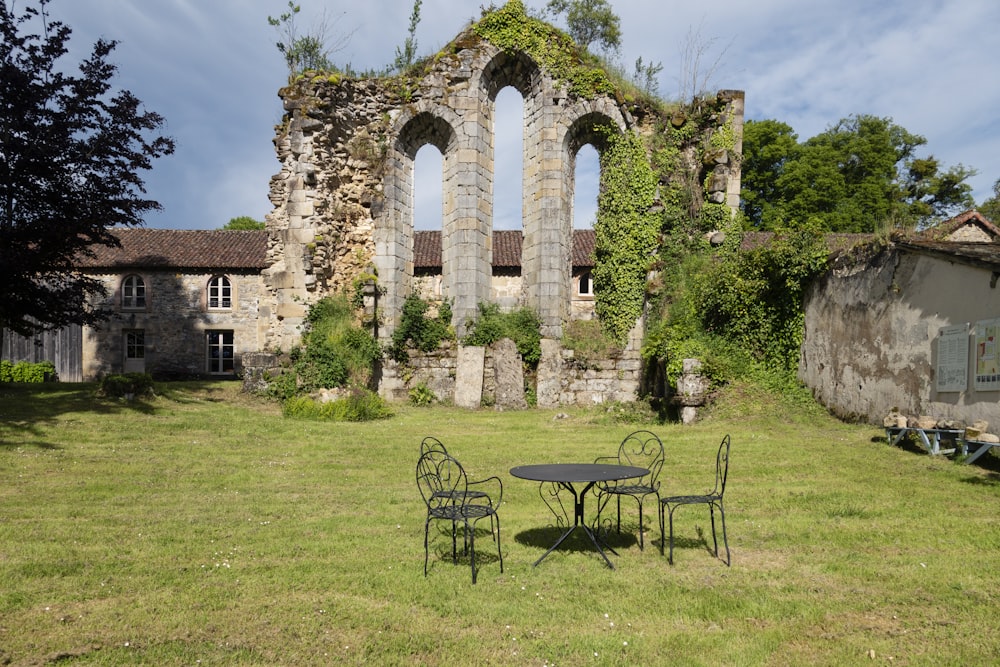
645,450
432,444
721,467
441,480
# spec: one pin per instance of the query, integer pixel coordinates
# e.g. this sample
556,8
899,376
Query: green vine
625,233
511,29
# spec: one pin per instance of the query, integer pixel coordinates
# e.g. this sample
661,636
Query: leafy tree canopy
71,152
991,207
857,176
590,21
244,223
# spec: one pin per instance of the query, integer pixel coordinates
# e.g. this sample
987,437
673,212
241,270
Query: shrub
419,330
25,371
121,385
335,351
587,340
357,406
522,326
422,395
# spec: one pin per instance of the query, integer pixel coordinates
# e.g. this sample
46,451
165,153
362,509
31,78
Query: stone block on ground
469,376
509,376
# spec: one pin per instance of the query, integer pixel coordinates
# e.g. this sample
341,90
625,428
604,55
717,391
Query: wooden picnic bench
979,446
929,438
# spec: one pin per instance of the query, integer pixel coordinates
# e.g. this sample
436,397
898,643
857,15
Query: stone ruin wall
343,199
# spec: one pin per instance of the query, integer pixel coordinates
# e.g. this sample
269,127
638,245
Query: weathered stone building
185,303
876,325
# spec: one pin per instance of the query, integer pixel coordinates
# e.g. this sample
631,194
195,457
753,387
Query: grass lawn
202,527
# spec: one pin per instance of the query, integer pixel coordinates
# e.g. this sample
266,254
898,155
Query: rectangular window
586,285
135,344
220,351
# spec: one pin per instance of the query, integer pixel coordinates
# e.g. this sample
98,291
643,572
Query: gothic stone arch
343,199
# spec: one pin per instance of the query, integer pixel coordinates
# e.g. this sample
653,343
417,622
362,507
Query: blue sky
211,69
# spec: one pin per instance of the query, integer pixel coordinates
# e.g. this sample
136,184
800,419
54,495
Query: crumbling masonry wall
343,199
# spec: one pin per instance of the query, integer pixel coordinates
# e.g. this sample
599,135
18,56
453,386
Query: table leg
578,522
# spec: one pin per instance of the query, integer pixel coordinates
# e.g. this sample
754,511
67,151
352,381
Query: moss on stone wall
511,28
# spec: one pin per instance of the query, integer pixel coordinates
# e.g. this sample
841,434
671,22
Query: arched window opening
133,293
220,293
508,160
427,188
587,185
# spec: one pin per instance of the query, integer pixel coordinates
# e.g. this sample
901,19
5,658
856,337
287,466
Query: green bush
416,329
334,352
587,340
25,371
122,384
422,395
357,406
522,326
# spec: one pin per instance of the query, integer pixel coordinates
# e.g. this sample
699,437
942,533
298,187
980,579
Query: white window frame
220,351
133,292
220,293
587,277
135,344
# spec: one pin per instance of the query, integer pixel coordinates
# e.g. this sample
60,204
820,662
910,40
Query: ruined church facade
344,197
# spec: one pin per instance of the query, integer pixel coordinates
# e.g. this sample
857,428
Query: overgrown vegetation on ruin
336,351
739,311
421,327
521,325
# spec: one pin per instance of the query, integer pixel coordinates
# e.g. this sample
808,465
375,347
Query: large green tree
857,176
71,154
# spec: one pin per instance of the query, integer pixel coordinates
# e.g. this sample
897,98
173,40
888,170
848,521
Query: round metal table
565,475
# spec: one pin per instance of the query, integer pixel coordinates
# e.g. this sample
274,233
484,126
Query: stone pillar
692,390
466,244
393,239
548,215
550,366
469,376
509,376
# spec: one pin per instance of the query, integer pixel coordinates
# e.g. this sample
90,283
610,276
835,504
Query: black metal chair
432,444
713,499
445,489
645,450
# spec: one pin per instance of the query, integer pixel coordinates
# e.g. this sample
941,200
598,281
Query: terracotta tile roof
971,217
506,248
426,249
182,249
583,247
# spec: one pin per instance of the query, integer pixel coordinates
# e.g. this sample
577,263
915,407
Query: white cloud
211,69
